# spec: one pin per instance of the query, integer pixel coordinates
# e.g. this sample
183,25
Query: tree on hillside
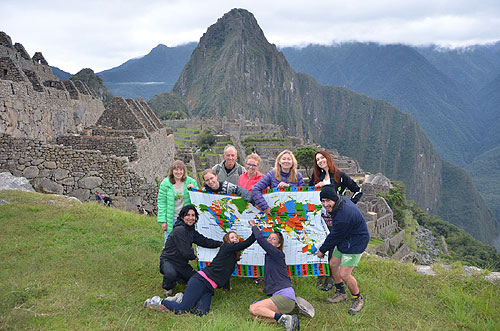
305,158
206,140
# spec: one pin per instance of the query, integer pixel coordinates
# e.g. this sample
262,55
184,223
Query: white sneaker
289,322
177,297
155,304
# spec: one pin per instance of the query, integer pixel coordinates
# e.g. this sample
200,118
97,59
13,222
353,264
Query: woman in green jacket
173,195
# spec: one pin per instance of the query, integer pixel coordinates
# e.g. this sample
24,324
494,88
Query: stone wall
44,115
155,155
79,173
119,146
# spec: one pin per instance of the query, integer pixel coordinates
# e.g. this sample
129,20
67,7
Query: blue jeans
196,300
166,236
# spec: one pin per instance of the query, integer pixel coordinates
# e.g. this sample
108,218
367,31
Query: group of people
347,240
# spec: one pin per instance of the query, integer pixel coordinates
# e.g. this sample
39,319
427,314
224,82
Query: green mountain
95,82
168,106
61,74
235,72
151,74
405,78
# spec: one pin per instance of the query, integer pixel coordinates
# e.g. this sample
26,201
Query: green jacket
166,202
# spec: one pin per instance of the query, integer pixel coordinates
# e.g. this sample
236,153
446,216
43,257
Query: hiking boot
177,298
155,304
304,307
337,297
327,287
320,282
357,305
168,293
289,322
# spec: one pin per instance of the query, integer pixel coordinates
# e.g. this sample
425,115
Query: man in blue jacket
350,238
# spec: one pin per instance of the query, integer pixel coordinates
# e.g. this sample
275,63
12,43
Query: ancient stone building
59,136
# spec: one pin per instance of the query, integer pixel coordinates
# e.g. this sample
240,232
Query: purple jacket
269,180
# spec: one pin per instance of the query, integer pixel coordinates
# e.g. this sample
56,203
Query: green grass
66,265
410,227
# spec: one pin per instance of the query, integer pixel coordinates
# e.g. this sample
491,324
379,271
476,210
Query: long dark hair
184,211
331,167
226,240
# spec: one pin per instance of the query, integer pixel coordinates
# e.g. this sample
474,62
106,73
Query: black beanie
329,192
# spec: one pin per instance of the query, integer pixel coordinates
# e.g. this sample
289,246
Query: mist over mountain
235,72
149,75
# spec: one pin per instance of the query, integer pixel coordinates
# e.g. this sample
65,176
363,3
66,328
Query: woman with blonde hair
283,174
173,195
252,176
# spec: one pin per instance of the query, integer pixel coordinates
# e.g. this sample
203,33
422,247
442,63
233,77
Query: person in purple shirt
278,284
283,175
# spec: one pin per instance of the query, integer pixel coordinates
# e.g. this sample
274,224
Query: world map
296,214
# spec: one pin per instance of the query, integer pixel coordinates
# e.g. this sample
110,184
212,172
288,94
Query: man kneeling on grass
350,238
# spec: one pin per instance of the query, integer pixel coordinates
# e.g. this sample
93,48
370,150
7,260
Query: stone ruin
59,135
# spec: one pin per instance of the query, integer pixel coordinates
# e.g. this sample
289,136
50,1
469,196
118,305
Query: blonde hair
293,170
253,156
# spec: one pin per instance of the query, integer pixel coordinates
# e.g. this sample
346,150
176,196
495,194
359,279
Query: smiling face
286,162
211,181
233,238
190,218
252,167
230,155
321,162
274,240
178,173
328,204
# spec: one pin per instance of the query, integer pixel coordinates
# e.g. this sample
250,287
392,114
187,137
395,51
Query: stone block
60,174
31,172
50,165
80,194
90,182
45,185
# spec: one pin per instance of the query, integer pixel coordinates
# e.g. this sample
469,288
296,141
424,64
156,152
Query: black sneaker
357,305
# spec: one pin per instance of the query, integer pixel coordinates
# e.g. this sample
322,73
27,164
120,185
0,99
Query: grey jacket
233,175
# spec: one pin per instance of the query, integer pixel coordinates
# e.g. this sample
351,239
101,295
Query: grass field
67,265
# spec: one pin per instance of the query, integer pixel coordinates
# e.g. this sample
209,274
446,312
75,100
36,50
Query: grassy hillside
67,265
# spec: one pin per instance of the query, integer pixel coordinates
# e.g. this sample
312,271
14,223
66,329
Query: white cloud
103,34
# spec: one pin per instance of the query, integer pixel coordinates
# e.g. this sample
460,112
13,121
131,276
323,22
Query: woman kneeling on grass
277,283
200,287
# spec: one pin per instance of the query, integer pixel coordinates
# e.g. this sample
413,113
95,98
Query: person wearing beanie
349,237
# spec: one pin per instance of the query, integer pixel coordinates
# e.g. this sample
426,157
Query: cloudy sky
103,34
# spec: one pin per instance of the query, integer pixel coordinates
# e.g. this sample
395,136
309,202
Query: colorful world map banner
296,213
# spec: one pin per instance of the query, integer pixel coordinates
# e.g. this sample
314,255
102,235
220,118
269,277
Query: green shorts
348,260
284,305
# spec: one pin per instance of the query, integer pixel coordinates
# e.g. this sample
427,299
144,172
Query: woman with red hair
326,173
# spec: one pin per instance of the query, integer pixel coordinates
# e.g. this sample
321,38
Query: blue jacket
269,180
275,270
349,232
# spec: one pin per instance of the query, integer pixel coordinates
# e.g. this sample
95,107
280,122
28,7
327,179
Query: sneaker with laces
357,305
289,322
177,297
337,297
155,304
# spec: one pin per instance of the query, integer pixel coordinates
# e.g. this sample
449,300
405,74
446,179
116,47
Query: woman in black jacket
178,250
200,288
326,173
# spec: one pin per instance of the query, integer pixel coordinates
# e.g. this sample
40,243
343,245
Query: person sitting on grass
200,288
278,284
178,250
